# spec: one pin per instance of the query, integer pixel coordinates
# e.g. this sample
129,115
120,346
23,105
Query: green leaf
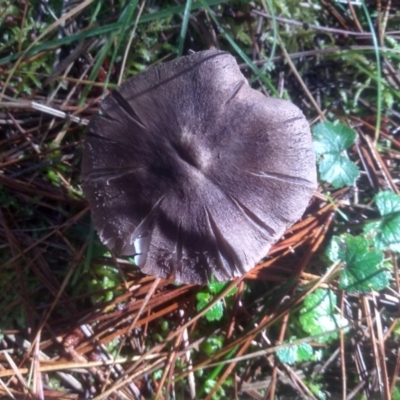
209,386
339,171
330,142
158,374
205,297
362,266
317,389
217,287
287,355
213,314
212,344
396,393
295,353
216,312
318,315
386,232
330,138
304,352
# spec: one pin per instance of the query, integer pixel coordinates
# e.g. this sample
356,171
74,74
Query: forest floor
318,318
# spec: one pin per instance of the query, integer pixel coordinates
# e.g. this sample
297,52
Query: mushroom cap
192,172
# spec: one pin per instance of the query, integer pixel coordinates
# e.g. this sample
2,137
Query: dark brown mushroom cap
194,173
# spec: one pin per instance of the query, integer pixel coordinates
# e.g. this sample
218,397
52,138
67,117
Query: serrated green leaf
216,287
330,138
203,299
213,314
362,266
210,292
386,233
216,312
339,171
318,315
330,142
287,355
304,352
295,353
212,344
320,302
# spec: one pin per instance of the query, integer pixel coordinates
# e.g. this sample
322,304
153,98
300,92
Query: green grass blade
104,29
123,22
378,73
242,55
275,31
125,19
185,22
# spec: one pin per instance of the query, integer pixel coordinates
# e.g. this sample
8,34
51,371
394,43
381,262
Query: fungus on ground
193,173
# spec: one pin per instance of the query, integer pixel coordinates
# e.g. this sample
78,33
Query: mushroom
193,173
